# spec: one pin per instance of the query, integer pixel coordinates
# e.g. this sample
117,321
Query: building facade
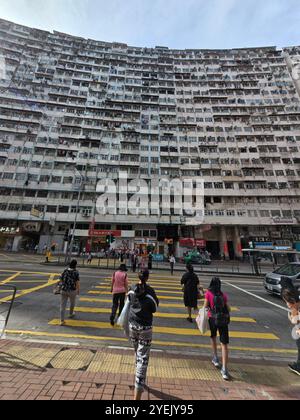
73,111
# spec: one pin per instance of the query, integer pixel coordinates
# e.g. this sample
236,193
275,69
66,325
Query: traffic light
112,239
108,239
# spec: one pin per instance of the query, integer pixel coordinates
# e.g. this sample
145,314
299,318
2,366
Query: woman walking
143,304
219,319
190,282
119,289
70,288
291,297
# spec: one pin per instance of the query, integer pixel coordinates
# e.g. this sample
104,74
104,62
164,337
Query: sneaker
112,322
190,320
72,316
295,368
63,323
215,361
225,374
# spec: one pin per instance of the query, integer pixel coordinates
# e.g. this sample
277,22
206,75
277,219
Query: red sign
187,242
201,243
99,233
191,242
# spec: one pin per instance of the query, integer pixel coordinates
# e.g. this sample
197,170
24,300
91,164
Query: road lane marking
161,305
92,310
92,292
9,279
257,297
107,289
167,330
25,292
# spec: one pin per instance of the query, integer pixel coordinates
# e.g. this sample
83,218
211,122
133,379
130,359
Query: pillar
237,243
224,243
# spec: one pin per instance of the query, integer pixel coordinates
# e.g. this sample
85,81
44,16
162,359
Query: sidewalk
37,371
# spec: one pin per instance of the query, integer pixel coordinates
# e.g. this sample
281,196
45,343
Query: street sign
36,213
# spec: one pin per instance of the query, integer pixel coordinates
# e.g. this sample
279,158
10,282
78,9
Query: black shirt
142,306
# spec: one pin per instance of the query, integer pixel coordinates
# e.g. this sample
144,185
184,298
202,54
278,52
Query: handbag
294,332
202,320
58,288
123,320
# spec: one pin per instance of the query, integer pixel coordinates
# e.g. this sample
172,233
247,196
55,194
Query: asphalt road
259,327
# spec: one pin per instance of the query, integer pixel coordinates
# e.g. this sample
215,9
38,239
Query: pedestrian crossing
94,308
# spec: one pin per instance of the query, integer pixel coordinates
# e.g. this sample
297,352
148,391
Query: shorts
223,331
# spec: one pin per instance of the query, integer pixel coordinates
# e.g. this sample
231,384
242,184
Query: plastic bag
123,320
202,320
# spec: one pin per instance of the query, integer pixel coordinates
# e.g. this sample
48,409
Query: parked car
272,280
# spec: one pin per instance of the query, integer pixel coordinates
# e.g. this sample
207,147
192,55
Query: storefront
7,234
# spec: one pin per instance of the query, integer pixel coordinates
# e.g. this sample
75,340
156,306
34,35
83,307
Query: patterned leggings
141,338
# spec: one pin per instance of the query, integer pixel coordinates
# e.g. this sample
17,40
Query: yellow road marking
105,288
91,310
159,297
50,282
168,330
161,305
155,342
9,279
30,272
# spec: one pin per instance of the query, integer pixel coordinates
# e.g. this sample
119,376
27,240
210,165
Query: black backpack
220,312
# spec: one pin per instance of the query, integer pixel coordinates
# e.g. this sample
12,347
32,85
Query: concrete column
16,243
224,243
237,242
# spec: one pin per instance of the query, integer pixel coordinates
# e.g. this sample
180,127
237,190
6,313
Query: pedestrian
150,261
291,297
172,263
143,304
134,261
191,285
70,288
90,258
119,289
219,318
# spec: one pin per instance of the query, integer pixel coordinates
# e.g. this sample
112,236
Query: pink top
209,296
119,282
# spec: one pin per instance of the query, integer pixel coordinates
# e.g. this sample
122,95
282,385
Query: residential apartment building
73,111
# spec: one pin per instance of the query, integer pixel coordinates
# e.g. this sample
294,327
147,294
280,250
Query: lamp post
70,247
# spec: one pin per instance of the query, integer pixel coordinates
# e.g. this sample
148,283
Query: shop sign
282,221
31,227
191,242
264,245
36,213
158,257
8,230
103,233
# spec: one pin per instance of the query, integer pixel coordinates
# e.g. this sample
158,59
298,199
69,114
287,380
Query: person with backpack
143,304
70,288
219,319
119,289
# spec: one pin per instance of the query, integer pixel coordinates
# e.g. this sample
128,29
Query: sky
179,24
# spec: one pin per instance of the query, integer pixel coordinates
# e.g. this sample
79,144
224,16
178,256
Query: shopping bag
202,320
123,320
